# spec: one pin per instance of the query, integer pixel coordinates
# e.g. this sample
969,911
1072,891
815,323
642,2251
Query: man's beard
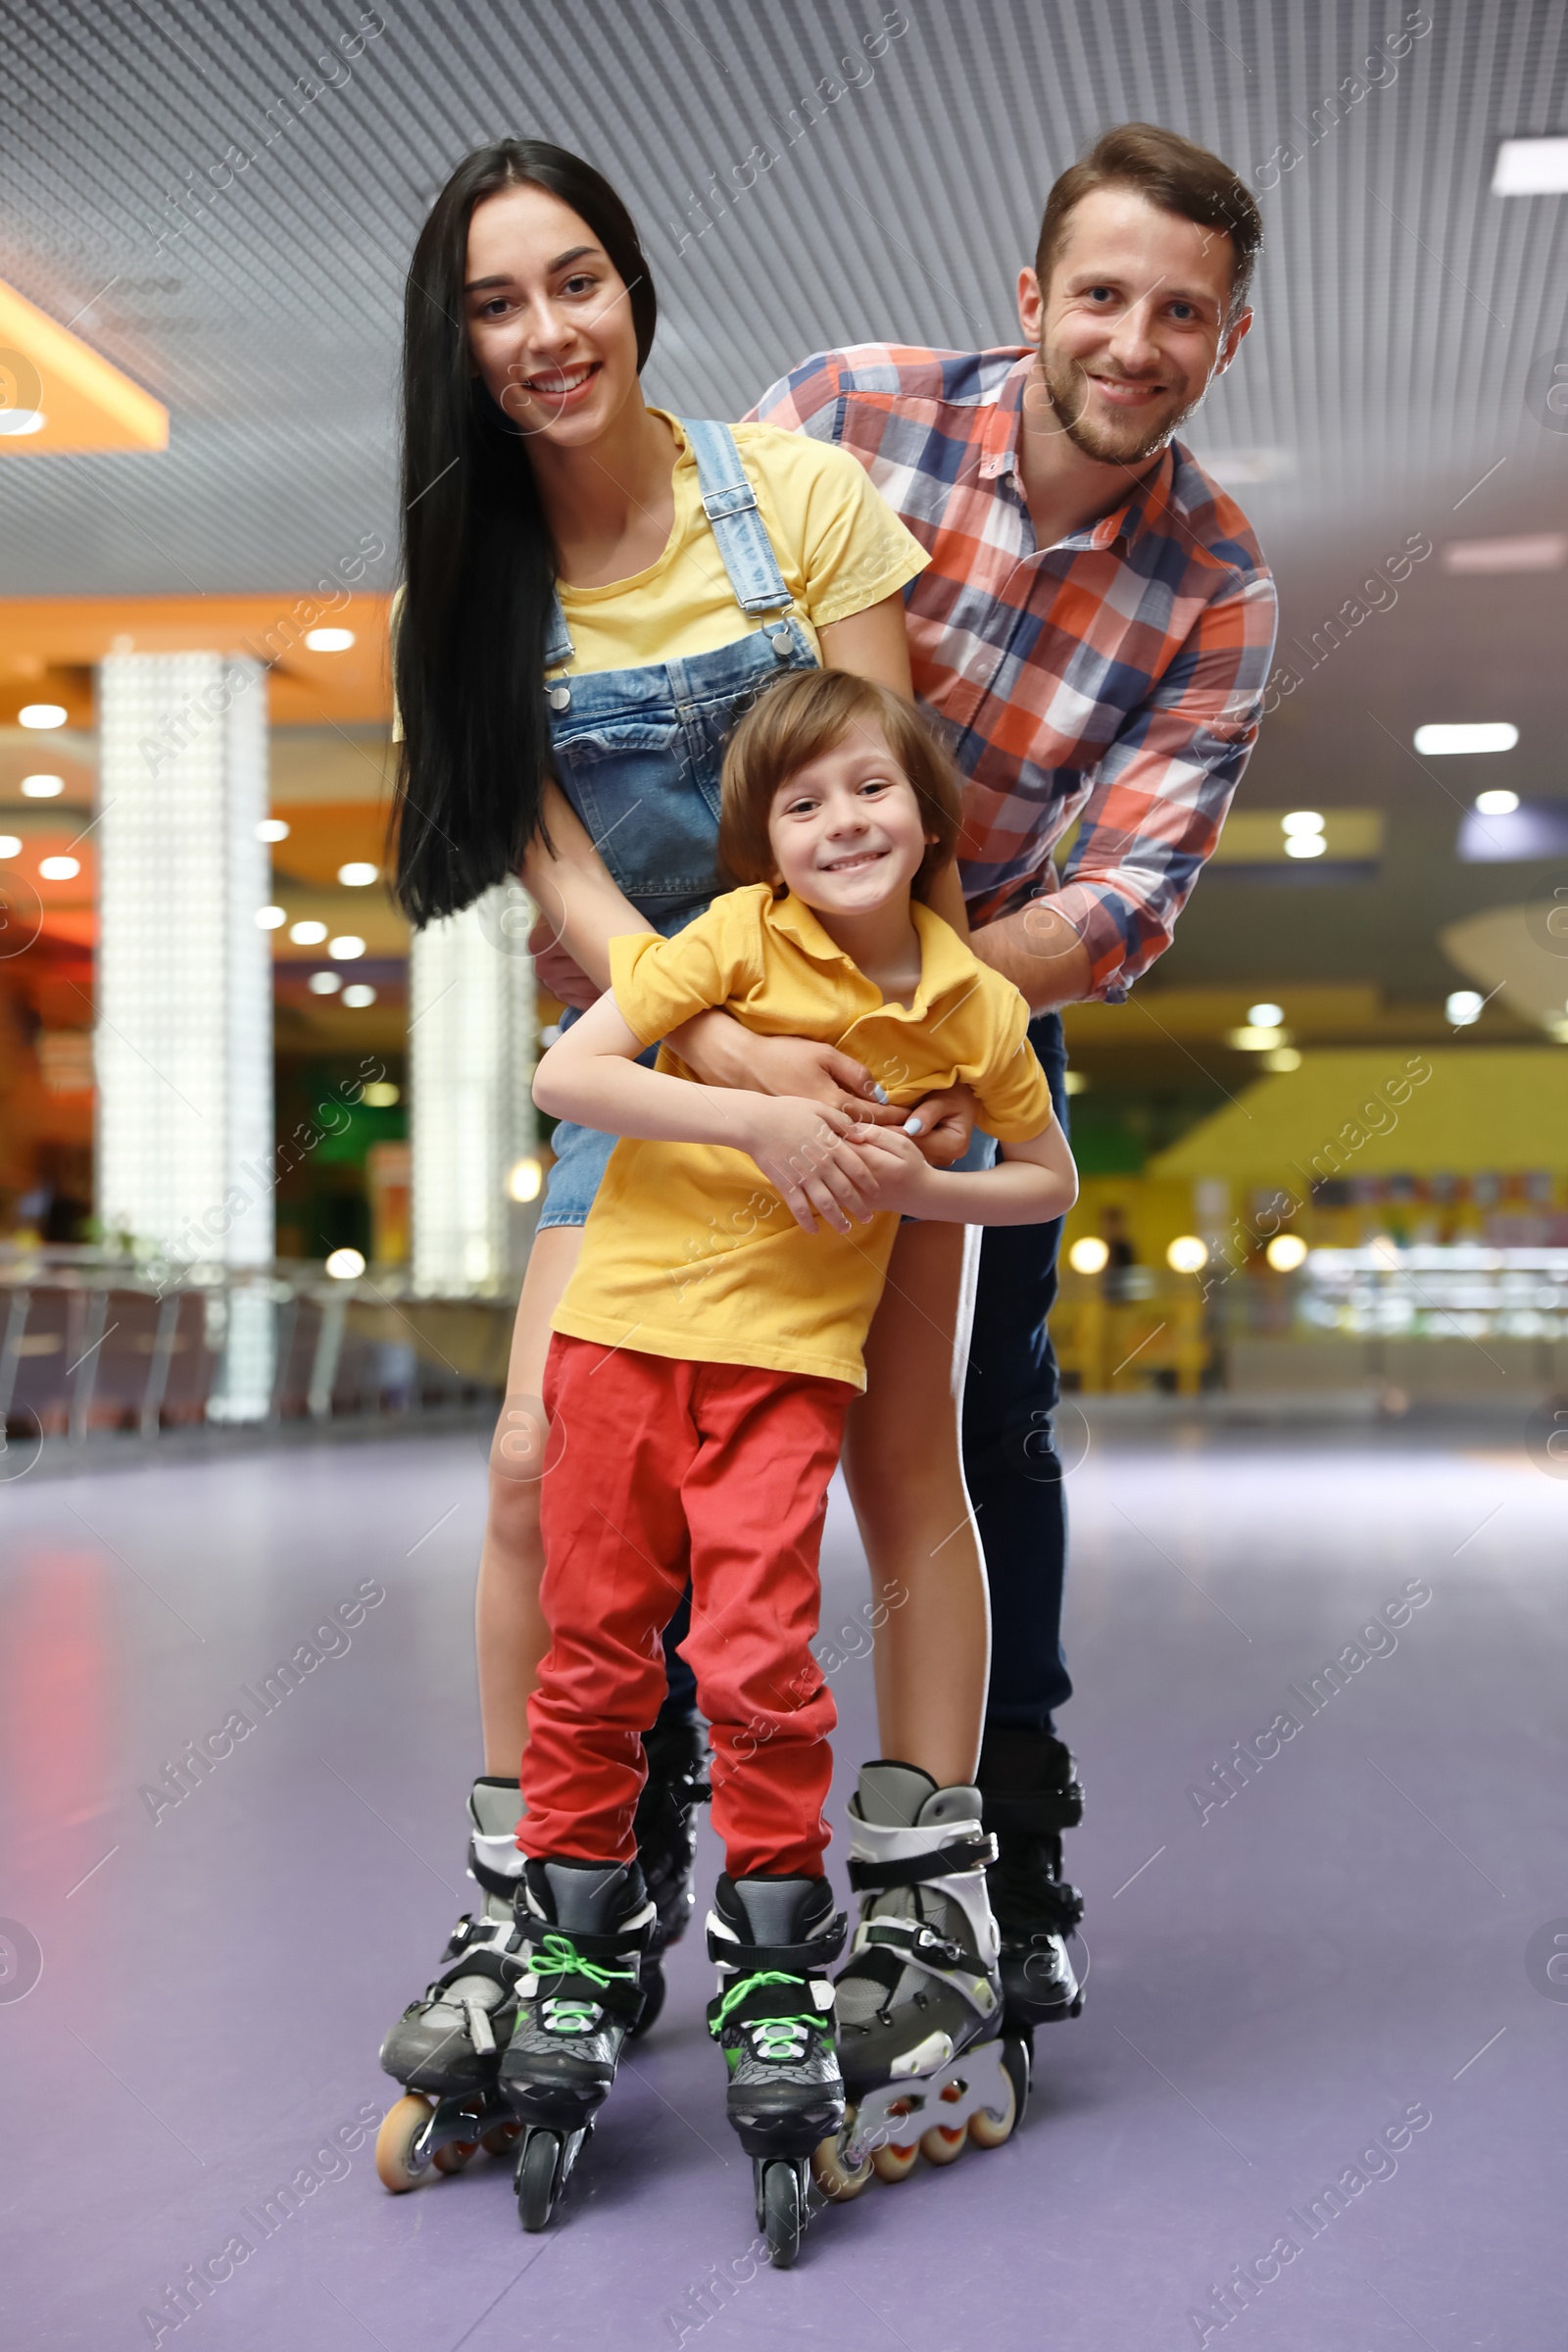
1132,444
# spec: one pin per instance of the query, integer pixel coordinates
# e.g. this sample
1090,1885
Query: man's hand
803,1149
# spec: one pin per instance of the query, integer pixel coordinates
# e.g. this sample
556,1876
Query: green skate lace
557,1956
779,2032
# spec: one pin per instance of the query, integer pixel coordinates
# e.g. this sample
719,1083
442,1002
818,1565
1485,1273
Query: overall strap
730,505
557,637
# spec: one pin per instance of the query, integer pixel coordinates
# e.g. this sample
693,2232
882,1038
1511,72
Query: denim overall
638,754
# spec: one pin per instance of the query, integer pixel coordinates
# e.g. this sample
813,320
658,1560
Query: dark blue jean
1009,1458
1011,1463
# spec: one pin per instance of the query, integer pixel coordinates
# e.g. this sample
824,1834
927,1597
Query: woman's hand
946,1124
801,1148
555,969
723,1053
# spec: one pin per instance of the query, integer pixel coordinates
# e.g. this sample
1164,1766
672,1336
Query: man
1094,633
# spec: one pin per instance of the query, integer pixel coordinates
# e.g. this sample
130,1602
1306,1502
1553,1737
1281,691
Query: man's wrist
1039,951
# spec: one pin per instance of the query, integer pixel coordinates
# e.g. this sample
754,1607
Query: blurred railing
90,1342
1426,1320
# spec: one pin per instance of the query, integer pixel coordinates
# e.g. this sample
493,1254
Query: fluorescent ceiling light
1496,803
1305,844
1531,168
328,641
1534,550
42,788
1488,736
60,869
43,714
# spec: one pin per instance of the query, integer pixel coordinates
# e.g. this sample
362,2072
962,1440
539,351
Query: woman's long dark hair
477,563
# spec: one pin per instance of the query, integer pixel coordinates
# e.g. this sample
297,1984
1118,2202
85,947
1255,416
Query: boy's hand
897,1176
801,1149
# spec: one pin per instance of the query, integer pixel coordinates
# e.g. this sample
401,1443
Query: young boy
706,1350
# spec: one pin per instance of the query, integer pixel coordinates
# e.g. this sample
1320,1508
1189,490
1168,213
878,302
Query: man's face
1131,328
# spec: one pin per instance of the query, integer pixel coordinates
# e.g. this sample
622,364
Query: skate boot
665,1830
445,2050
925,2063
584,1928
772,2016
1031,1794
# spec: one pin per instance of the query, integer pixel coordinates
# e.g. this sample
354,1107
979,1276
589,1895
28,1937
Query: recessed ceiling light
345,948
360,995
60,869
1281,1058
1494,735
43,714
1266,1016
1258,1036
1531,168
273,828
1534,550
345,1265
328,641
357,875
324,983
1302,820
10,844
381,1094
1305,845
1496,803
307,934
42,788
1464,1006
271,918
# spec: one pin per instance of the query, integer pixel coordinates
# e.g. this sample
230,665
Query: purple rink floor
1358,1939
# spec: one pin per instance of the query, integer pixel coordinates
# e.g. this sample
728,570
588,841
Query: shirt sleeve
658,983
1161,792
1013,1093
853,548
805,401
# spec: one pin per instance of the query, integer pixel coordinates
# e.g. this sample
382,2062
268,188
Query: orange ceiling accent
83,400
40,635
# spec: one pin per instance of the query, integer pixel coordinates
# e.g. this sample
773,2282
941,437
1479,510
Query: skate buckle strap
921,1946
494,1882
1043,1810
962,1856
797,1959
480,1948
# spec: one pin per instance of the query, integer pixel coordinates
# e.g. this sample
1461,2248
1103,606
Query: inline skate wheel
455,2155
940,2145
538,2178
892,2163
989,2130
781,2212
501,2139
401,2127
837,2179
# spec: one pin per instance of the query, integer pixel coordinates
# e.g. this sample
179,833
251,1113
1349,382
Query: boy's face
846,830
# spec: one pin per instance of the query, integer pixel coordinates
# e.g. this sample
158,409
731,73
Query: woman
594,590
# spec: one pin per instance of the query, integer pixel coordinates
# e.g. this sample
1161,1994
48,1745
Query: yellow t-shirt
687,1251
839,544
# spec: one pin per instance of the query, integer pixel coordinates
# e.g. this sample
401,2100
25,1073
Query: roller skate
665,1830
1030,1794
926,2063
772,2016
446,2047
584,1927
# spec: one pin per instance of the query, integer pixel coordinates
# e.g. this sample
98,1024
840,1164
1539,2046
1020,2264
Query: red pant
664,1469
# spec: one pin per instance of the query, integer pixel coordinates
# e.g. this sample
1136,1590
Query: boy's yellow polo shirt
687,1251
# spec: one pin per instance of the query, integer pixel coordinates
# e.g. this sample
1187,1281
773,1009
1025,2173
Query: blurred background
254,1163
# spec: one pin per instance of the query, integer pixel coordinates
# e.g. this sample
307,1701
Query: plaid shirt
1115,678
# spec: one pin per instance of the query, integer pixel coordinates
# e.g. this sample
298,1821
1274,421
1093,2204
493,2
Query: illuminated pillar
472,1045
184,1047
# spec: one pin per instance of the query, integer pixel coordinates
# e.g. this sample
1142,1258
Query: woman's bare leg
902,1466
510,1632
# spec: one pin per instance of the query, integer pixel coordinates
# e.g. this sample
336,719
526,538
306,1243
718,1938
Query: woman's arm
592,1074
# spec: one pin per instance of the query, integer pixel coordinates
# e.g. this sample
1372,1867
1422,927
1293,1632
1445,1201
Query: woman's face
550,328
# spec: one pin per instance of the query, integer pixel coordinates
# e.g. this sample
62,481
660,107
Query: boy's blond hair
798,719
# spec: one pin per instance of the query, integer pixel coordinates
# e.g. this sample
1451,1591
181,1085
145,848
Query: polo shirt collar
946,964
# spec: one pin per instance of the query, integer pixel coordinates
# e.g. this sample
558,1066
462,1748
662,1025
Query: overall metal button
560,698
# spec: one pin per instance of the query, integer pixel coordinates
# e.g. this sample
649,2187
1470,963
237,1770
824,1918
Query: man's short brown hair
1169,172
794,723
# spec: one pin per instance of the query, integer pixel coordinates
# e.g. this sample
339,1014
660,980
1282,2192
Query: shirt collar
1143,509
946,964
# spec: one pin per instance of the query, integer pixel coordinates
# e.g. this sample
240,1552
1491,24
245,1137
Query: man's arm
1152,819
